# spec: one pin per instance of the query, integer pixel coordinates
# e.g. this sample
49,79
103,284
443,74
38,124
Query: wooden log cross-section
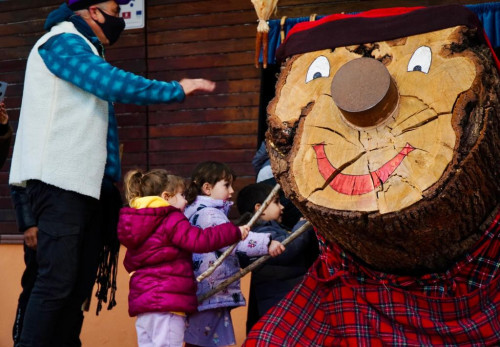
391,148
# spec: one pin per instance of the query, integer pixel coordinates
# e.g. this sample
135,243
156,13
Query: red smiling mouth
357,184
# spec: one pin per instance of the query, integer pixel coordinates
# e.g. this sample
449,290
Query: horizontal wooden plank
212,115
206,129
196,7
135,159
185,170
203,20
132,119
13,78
122,109
215,74
4,188
6,164
185,157
210,101
24,27
203,143
165,2
201,47
127,168
129,38
137,66
132,132
30,11
240,182
12,53
133,146
7,228
238,86
202,61
7,215
126,53
12,101
203,34
8,66
13,97
5,202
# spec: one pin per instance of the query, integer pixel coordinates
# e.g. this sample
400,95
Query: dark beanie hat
76,5
340,30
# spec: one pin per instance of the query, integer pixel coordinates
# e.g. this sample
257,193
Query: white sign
134,14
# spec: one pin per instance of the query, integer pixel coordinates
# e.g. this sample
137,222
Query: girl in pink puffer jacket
160,242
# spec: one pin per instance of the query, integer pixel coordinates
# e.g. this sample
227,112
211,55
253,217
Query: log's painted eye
320,67
421,60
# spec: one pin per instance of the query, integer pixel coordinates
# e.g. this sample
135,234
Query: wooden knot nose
364,92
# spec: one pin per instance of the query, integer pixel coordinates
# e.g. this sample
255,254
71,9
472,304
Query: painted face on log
372,140
377,132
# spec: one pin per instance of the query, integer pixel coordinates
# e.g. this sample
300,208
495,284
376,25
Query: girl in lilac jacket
208,195
160,242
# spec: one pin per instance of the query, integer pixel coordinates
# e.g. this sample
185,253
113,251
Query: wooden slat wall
182,38
209,39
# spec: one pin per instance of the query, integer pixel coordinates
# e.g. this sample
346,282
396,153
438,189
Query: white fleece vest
61,137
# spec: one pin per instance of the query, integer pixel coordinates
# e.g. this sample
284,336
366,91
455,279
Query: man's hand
4,118
30,237
196,85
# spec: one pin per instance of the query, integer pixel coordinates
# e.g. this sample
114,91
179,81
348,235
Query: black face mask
112,27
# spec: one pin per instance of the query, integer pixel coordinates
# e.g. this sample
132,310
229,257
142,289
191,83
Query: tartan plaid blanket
342,303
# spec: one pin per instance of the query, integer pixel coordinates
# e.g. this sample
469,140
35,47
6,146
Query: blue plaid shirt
70,58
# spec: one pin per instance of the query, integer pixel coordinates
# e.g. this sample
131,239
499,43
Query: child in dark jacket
160,242
277,276
262,165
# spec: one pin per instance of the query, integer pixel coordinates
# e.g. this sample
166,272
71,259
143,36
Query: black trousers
27,284
69,240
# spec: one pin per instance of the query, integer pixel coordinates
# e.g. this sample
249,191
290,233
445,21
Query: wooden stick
252,266
228,251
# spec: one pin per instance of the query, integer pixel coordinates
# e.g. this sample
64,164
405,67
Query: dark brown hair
251,195
207,172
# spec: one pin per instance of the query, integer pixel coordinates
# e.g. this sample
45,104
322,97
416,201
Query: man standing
66,154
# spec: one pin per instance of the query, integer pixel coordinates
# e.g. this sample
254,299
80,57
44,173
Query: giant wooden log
392,148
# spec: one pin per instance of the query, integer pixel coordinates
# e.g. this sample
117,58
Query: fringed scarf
108,256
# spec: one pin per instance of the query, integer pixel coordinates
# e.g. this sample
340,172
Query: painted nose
364,92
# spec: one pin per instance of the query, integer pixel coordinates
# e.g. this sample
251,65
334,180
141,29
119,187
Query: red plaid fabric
341,303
